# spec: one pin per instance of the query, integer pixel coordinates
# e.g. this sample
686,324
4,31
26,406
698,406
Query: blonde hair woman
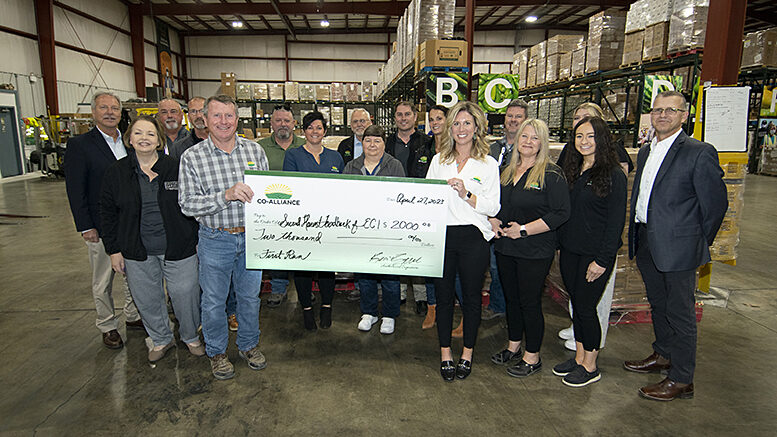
534,203
473,175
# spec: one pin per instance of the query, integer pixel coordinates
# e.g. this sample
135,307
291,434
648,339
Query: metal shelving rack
756,78
266,106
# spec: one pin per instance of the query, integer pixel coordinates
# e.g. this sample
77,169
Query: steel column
469,35
44,19
723,42
138,55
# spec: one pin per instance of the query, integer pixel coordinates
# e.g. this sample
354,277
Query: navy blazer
86,158
686,207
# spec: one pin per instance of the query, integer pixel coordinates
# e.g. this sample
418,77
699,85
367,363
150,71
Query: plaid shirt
207,172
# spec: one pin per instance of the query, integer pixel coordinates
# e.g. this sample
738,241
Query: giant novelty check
345,223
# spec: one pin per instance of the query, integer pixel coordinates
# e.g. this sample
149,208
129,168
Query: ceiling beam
284,18
487,15
505,15
766,18
185,26
223,23
245,22
602,3
200,20
392,8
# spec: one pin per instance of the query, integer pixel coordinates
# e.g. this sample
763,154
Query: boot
459,331
431,317
308,320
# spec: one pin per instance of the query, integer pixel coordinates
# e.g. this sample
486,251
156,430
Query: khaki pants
102,288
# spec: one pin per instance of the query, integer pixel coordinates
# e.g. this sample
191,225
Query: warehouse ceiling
292,17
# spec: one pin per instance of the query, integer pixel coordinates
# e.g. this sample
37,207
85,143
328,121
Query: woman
590,240
313,157
535,202
150,240
375,162
589,109
437,116
473,175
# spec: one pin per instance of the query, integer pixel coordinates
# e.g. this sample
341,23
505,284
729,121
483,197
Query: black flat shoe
463,369
325,316
421,307
506,356
447,370
524,369
309,321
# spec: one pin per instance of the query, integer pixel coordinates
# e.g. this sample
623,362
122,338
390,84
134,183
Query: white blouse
481,178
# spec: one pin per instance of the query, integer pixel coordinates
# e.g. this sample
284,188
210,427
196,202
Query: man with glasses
677,205
199,129
351,147
282,138
170,115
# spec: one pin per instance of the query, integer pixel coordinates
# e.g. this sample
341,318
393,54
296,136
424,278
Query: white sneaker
387,327
567,333
570,344
366,322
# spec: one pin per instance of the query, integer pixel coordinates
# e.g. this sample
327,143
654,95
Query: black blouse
551,204
596,223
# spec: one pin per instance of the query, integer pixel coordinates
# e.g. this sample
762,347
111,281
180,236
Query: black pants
523,281
585,297
673,307
466,254
304,283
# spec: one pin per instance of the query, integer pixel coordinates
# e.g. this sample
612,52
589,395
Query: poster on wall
446,89
768,102
767,132
656,84
165,59
495,91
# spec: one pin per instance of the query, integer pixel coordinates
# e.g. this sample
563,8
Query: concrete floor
57,378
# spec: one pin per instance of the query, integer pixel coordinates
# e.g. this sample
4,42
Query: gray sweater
389,167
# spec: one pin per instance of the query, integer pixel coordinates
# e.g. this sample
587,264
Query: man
502,150
211,189
351,147
414,150
199,129
86,159
275,146
170,115
282,138
677,205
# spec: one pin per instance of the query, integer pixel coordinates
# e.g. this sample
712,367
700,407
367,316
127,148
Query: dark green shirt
275,153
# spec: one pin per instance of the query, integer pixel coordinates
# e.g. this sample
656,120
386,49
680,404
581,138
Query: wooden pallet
654,58
630,64
692,51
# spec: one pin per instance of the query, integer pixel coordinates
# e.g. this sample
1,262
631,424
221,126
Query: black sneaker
505,356
563,369
581,377
524,369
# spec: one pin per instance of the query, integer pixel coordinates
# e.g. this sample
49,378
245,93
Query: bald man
170,115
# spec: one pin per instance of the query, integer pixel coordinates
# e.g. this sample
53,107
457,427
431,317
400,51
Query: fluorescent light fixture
324,23
237,24
531,19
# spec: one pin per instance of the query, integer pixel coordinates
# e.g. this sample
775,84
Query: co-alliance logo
278,194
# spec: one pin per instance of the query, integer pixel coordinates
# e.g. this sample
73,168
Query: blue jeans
279,280
368,284
231,301
223,263
496,300
431,298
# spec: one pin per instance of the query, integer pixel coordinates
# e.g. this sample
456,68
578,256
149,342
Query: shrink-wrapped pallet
656,41
435,19
323,92
307,92
337,91
291,91
352,92
688,25
368,91
565,66
537,56
632,47
276,91
260,91
578,61
605,40
521,63
760,48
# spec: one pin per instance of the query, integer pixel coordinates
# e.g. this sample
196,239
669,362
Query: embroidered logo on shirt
423,159
476,179
251,165
347,153
171,185
535,186
335,169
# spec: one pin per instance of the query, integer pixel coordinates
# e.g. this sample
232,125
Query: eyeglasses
197,111
670,111
172,111
285,107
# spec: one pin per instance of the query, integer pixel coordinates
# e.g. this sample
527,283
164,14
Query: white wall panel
71,94
149,31
343,52
265,46
19,14
244,69
79,68
31,94
72,29
325,71
205,89
111,11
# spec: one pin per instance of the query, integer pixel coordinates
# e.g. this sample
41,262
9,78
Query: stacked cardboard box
734,167
275,90
531,75
244,91
565,66
338,117
632,47
578,59
543,112
521,67
291,91
307,92
555,48
229,85
605,40
573,101
368,91
338,91
656,41
760,48
537,56
688,25
323,93
555,111
769,161
260,91
620,107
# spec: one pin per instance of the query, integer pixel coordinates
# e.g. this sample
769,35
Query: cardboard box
760,48
632,47
531,77
260,91
551,68
323,93
275,91
605,40
578,61
307,92
291,91
337,92
565,66
656,41
563,43
229,85
442,53
244,91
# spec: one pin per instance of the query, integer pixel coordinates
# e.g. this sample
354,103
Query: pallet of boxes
647,31
687,27
759,49
606,32
557,47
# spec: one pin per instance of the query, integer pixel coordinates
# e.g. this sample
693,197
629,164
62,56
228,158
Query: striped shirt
207,172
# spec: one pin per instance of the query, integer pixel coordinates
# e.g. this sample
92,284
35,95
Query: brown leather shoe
667,390
137,324
652,364
112,339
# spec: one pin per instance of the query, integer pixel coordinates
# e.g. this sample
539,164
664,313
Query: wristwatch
524,234
469,194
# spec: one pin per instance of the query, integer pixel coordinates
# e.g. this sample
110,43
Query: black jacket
418,156
182,144
346,149
120,210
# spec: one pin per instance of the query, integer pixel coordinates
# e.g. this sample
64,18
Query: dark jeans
466,254
523,281
585,297
496,297
673,306
368,285
304,283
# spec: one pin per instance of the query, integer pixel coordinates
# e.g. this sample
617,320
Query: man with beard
199,130
282,138
351,147
170,116
86,159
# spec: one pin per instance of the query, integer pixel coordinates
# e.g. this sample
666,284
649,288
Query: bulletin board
725,117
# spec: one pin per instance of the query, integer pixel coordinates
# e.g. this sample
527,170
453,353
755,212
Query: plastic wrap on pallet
243,91
323,92
307,92
338,115
578,62
688,25
551,68
368,91
657,11
337,91
565,66
635,18
531,76
543,112
632,47
563,43
291,91
656,40
605,40
275,90
352,92
616,105
326,112
435,19
260,91
521,62
537,55
760,48
573,100
555,111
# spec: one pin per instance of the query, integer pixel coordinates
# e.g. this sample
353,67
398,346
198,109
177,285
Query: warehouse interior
59,379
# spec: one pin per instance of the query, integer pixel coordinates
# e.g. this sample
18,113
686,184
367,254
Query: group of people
167,211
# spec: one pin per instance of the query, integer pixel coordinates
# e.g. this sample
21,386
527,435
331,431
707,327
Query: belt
235,230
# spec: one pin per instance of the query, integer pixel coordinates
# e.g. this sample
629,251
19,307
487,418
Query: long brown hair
158,127
605,157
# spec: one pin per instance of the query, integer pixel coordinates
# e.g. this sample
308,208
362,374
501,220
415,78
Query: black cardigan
595,226
120,211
